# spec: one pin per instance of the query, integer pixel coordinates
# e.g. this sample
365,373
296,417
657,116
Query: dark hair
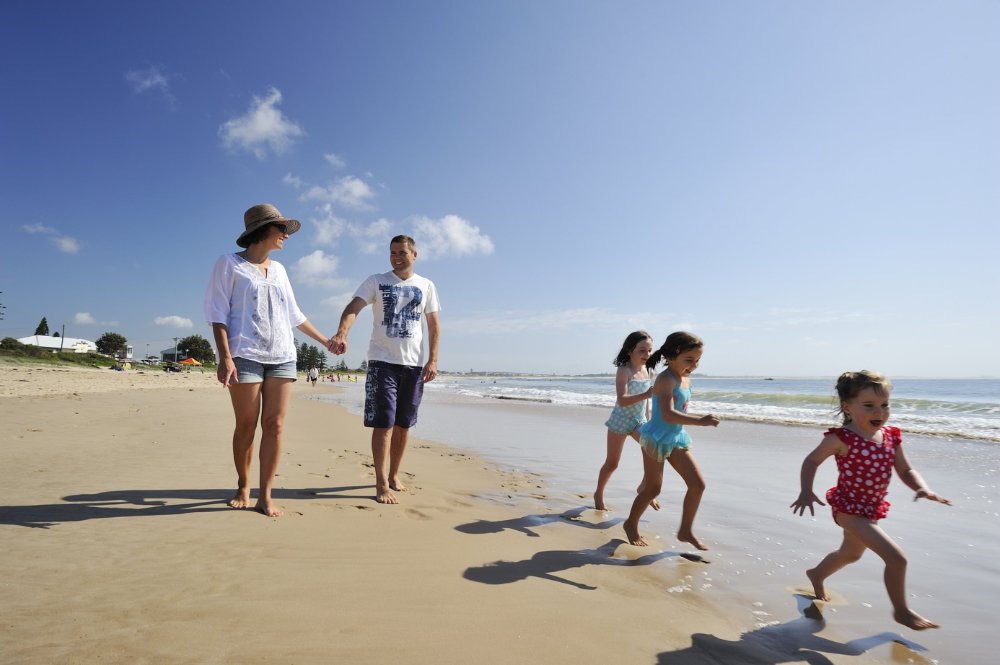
629,345
404,239
676,344
259,234
849,384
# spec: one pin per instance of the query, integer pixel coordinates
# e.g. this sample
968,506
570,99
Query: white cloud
293,180
262,127
350,192
144,80
449,236
173,321
374,237
84,319
63,243
335,160
319,269
329,228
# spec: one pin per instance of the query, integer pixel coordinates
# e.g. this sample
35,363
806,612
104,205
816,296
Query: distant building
67,344
167,355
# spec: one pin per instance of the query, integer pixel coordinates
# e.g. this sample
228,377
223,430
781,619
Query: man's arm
433,337
338,343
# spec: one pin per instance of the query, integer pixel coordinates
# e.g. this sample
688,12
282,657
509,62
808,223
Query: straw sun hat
261,215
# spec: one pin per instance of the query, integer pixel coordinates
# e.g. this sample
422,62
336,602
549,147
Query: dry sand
118,547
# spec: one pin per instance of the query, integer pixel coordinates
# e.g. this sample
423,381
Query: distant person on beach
252,310
866,450
313,376
664,438
397,366
633,388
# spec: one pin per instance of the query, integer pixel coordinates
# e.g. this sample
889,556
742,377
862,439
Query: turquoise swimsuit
660,438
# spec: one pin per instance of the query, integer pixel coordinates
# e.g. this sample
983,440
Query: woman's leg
275,395
652,481
246,407
684,464
616,443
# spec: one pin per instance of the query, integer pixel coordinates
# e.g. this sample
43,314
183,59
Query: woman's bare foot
632,534
394,484
911,619
241,499
266,507
383,495
819,590
654,504
688,537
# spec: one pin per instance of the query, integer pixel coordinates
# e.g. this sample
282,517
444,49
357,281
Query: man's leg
400,437
380,450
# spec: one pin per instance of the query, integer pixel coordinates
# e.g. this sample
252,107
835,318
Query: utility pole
62,338
175,348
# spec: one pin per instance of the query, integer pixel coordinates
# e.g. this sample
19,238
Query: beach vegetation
13,352
197,347
111,343
43,327
310,356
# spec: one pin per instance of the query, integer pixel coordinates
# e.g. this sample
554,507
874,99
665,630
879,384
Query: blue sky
811,187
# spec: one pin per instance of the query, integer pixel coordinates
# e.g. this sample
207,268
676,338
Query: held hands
226,373
337,345
927,494
711,420
806,500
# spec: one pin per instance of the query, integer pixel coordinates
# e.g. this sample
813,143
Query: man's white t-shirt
397,309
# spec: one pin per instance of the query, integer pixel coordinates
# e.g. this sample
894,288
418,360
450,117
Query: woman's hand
226,372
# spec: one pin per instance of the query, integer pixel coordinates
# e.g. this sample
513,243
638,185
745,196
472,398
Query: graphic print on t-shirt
401,309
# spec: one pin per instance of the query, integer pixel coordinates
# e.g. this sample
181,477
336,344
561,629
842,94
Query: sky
811,187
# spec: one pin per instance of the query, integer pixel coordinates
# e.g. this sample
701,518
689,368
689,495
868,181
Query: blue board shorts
251,371
392,394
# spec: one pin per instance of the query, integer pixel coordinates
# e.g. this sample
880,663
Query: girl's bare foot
599,502
688,537
654,504
818,589
241,499
632,534
383,495
267,507
911,619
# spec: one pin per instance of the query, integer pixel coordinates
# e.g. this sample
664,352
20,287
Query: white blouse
259,312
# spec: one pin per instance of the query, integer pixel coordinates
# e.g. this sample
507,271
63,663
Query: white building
68,344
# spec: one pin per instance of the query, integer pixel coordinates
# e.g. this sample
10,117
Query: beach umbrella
189,361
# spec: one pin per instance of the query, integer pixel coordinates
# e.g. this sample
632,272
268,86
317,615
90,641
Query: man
397,370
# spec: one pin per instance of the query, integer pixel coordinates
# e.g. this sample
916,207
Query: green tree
111,343
43,327
364,366
341,366
197,347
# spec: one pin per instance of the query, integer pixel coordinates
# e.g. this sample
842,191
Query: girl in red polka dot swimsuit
866,451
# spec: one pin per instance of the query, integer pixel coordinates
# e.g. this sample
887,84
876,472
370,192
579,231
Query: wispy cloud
62,242
319,269
151,79
349,192
263,127
336,161
293,180
86,319
329,227
449,236
173,321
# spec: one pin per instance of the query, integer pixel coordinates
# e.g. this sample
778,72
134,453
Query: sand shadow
794,641
148,503
545,565
526,523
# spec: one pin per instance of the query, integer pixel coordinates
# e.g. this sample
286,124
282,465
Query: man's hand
430,371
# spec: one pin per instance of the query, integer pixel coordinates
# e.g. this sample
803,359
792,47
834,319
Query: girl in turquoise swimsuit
663,436
632,386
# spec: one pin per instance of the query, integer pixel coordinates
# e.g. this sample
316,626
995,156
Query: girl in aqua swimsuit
632,386
663,438
866,450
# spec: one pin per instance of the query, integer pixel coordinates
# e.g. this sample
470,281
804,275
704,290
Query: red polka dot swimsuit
865,472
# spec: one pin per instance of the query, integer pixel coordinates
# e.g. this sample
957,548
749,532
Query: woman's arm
226,372
311,330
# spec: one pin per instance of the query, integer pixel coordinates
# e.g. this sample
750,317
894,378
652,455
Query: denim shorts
251,371
392,394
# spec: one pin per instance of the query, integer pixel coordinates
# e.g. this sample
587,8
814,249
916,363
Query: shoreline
123,548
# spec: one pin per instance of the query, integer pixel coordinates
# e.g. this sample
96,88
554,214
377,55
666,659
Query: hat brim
291,226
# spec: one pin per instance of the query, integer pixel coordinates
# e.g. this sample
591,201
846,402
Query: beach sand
119,548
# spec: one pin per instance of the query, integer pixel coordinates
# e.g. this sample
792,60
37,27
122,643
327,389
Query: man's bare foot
599,502
654,504
394,484
818,589
383,495
241,499
633,536
266,507
688,537
911,619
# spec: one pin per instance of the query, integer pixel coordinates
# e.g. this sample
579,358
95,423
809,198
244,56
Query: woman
252,309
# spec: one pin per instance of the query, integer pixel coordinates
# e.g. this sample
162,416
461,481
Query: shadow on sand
148,503
794,641
526,523
545,565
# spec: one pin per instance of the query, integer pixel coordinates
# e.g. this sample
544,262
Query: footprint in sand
416,514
